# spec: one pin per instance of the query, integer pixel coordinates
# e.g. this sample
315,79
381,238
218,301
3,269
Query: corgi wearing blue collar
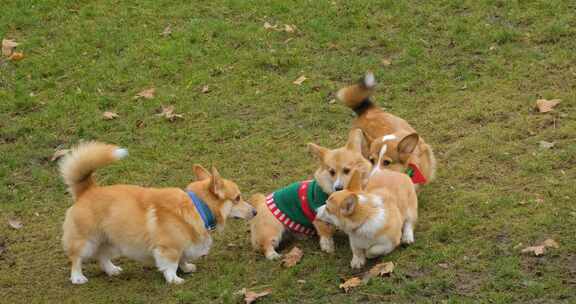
165,226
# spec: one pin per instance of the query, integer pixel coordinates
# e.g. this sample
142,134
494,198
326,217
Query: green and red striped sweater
295,205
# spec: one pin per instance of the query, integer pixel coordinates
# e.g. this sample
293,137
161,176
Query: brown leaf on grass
379,270
288,28
546,145
8,46
58,154
140,124
545,105
386,62
551,243
16,56
168,113
351,283
444,265
539,250
167,31
268,25
293,257
299,80
146,94
15,223
109,115
205,89
251,297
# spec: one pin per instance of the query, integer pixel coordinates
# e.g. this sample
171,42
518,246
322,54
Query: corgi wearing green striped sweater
293,209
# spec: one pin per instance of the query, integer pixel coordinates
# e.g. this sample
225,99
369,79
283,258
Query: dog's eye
332,172
386,162
237,198
372,161
346,170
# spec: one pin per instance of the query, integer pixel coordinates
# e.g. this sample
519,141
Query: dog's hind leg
105,256
167,261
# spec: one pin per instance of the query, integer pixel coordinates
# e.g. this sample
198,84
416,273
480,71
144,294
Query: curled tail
77,167
357,96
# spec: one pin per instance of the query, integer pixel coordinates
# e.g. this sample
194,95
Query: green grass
466,74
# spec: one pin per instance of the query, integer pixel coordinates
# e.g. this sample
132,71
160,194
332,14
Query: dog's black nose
254,212
338,188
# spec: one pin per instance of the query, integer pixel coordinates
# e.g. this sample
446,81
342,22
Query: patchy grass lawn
466,74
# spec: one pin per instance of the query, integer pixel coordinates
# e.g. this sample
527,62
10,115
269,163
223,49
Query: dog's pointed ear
217,184
407,145
349,205
200,172
318,151
355,183
355,140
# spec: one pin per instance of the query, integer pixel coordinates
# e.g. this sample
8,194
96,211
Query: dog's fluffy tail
77,167
357,96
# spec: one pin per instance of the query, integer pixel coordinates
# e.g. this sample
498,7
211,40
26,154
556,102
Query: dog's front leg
325,232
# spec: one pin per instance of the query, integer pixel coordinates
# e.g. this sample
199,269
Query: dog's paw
327,244
188,267
175,280
408,239
113,270
357,262
78,279
273,255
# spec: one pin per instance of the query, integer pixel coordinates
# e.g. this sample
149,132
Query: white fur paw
188,267
78,279
273,255
113,270
327,244
408,238
357,262
174,279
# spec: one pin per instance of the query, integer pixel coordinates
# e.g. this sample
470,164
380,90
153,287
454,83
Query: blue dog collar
205,212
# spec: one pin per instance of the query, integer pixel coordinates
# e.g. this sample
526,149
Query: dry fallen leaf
168,113
167,31
537,250
546,144
7,46
268,26
58,154
300,80
351,283
379,270
139,124
386,62
444,265
109,115
545,105
251,297
551,243
205,89
289,28
15,223
16,56
293,257
146,94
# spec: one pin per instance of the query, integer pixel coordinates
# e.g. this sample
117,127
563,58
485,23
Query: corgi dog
406,152
166,226
293,209
376,219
